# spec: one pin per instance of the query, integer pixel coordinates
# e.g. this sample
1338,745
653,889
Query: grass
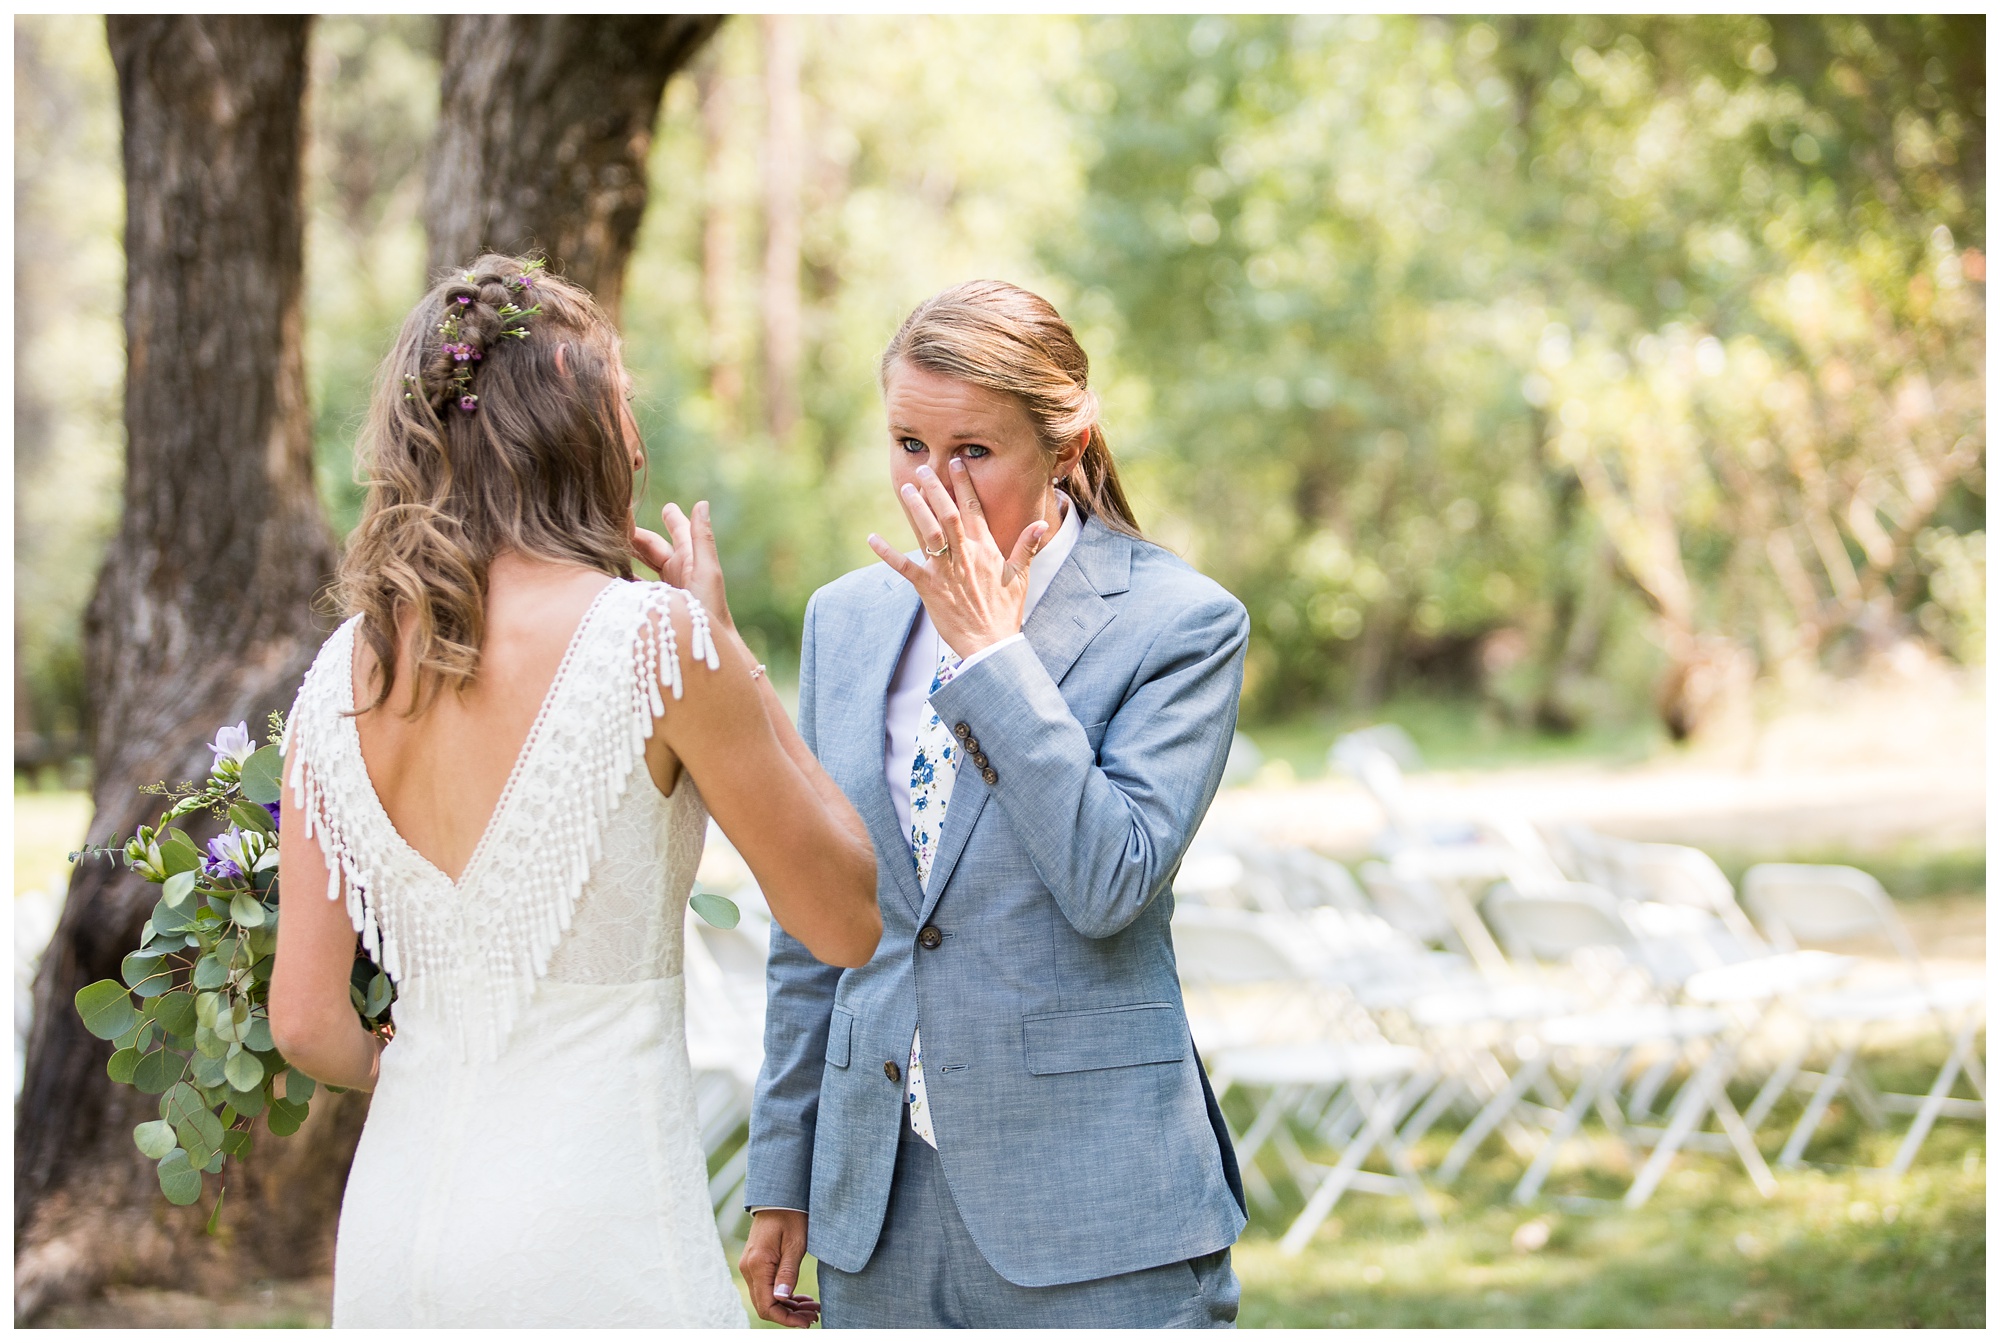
1452,734
1836,1248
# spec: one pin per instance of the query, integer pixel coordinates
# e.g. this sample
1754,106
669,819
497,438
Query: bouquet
188,1023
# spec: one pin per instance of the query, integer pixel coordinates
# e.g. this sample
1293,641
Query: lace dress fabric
532,1155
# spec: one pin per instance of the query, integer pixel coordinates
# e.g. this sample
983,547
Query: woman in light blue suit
1000,1121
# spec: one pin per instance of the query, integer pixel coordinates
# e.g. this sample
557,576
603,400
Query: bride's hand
689,560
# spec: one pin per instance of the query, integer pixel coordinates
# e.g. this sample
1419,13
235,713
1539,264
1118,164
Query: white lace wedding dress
532,1155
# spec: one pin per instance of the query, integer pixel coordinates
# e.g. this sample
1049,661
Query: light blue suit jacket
1073,1121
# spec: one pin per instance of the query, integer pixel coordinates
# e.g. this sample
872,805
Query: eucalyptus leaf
298,1087
260,775
236,1143
148,978
208,1071
250,817
258,1037
200,1134
246,910
249,1104
178,854
210,972
178,888
142,1040
261,971
380,992
244,1072
171,922
717,910
214,1167
122,1064
155,1138
206,1006
179,1180
158,1071
175,1012
106,1009
180,1102
285,1118
130,1039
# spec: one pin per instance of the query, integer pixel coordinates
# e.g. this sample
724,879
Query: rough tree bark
543,134
202,615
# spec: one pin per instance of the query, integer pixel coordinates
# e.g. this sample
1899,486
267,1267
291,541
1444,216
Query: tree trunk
202,615
543,134
784,156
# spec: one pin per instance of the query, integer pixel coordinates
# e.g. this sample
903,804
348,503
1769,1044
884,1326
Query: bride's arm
802,839
804,842
312,1018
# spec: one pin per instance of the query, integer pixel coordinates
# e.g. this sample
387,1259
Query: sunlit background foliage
1583,369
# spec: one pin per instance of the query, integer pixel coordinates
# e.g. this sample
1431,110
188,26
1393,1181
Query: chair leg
1774,1089
1822,1096
1927,1114
1572,1117
1742,1139
1443,1096
1647,1088
1489,1117
1383,1111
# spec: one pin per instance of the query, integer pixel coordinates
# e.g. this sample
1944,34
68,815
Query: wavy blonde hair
1006,339
540,466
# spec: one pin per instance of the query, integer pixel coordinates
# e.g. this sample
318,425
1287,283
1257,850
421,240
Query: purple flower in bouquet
233,743
223,852
234,853
274,809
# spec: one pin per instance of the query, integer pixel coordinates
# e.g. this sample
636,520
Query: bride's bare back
440,774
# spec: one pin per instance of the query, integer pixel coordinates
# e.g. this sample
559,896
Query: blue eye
974,451
912,445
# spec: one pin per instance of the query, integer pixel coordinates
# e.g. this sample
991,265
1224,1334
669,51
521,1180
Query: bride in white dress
499,774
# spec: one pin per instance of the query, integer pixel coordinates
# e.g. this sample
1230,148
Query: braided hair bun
480,311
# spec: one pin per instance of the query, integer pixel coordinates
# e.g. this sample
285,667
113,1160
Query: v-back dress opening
532,1155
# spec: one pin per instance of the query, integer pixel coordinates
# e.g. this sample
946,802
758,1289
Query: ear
1071,454
562,363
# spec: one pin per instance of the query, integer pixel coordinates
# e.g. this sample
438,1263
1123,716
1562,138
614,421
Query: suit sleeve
1106,830
799,1002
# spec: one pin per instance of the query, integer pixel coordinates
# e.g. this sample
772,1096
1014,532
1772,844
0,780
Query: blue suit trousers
926,1273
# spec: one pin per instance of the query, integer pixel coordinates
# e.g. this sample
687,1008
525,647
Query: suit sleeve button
962,731
979,760
891,1071
930,939
989,776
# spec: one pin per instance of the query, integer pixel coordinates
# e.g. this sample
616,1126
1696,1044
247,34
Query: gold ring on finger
941,550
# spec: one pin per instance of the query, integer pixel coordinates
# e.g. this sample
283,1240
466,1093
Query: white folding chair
1296,1046
1804,903
1581,926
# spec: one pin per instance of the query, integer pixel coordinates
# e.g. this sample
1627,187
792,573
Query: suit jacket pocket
839,1037
1105,1037
1095,734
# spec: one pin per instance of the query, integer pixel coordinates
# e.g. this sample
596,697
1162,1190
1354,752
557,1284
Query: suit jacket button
930,939
979,760
891,1071
962,731
989,776
972,745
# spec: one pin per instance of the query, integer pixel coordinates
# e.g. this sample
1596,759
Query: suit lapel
885,632
1070,614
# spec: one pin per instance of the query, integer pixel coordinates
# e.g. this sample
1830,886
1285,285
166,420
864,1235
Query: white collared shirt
910,688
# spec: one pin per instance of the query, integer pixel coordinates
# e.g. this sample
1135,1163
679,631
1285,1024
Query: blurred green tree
1439,316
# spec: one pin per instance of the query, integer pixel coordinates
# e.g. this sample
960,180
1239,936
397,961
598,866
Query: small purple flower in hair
464,301
468,403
